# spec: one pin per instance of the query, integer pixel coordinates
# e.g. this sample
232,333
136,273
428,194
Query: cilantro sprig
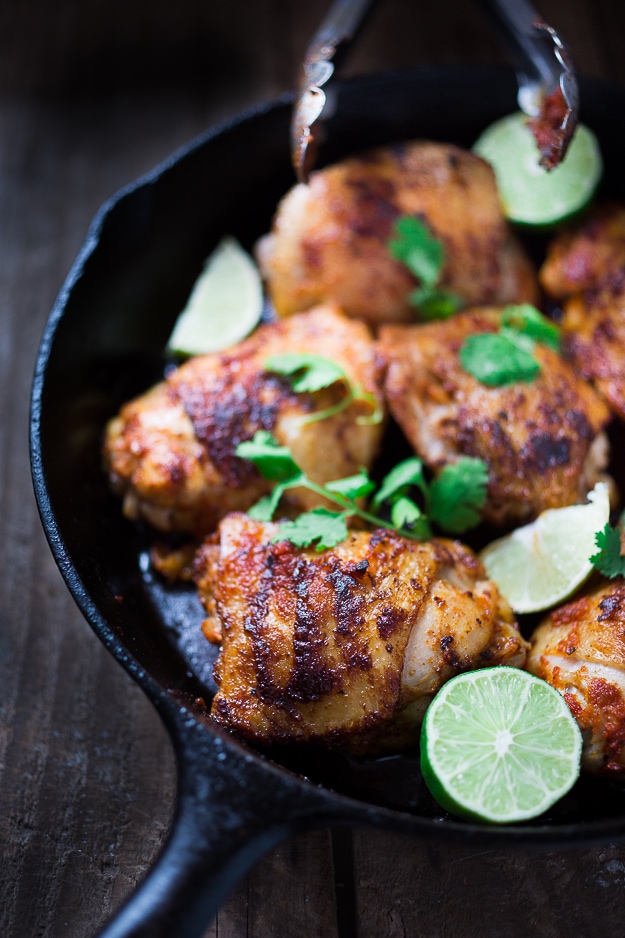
524,319
308,373
608,558
504,357
424,256
452,500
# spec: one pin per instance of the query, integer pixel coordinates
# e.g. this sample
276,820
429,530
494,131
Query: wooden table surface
91,95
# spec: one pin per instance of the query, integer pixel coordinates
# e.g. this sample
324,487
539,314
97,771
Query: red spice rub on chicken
170,454
580,650
344,647
585,269
542,440
329,240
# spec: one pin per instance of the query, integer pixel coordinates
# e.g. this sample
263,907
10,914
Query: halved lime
225,304
532,195
499,745
543,563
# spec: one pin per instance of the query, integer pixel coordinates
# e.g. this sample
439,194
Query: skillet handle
231,808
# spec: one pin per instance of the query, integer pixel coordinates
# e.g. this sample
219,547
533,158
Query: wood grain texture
92,95
424,889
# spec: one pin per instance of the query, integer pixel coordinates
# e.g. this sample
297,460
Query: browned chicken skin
329,240
580,257
580,650
541,440
585,268
170,453
344,647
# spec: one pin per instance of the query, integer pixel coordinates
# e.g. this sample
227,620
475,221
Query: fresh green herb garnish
415,247
500,358
309,373
608,558
527,320
326,528
423,255
452,500
457,494
496,359
407,473
273,461
406,514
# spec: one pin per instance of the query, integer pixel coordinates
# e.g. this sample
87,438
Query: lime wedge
541,564
225,304
531,195
499,745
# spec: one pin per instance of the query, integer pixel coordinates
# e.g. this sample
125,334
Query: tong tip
554,124
310,104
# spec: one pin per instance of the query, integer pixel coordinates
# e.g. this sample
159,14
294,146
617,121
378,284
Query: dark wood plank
87,772
407,887
290,893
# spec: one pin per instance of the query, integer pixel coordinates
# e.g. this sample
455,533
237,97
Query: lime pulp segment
543,563
499,745
224,306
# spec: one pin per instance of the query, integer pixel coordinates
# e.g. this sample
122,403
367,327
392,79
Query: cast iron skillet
104,343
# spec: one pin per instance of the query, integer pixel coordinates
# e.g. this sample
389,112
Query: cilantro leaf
608,558
500,358
352,487
264,508
452,500
496,359
527,320
415,247
518,339
458,493
327,528
435,304
404,474
306,372
273,461
406,514
424,256
309,373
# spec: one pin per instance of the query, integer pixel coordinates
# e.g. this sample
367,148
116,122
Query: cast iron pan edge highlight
102,344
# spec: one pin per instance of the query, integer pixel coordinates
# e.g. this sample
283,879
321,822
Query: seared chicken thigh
582,255
329,240
541,440
170,453
580,650
344,647
593,336
586,268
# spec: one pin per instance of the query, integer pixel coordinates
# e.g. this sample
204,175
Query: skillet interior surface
104,343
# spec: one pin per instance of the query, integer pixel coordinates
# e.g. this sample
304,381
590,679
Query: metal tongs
548,91
336,32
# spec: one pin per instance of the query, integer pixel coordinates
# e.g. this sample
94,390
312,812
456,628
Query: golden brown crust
582,255
329,240
593,330
170,453
585,268
331,647
540,439
580,650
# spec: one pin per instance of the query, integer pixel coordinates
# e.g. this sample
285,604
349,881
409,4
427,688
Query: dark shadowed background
91,95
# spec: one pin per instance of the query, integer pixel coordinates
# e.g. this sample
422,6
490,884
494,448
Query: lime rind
473,774
531,195
543,563
224,306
